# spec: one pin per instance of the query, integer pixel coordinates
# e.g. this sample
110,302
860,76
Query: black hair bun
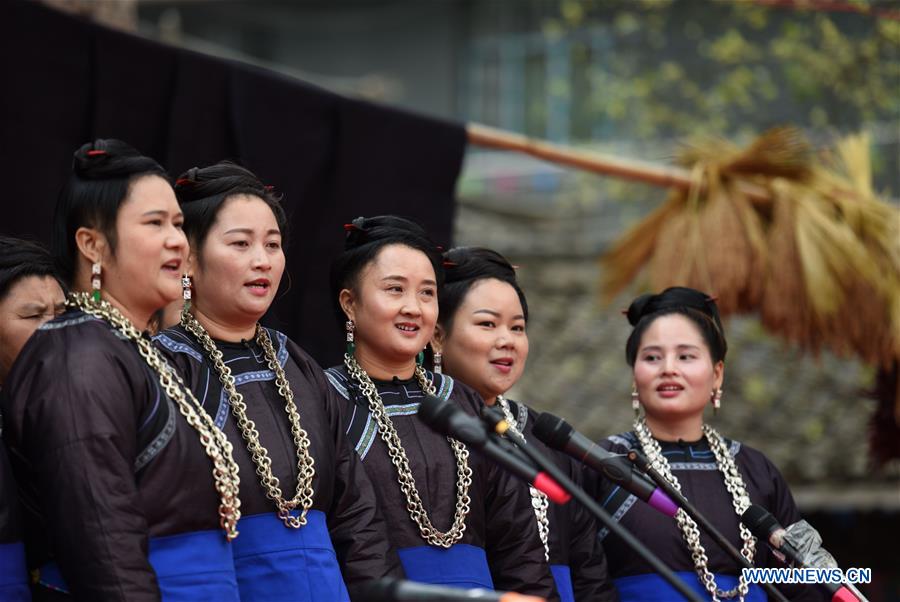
474,263
106,158
672,298
225,177
364,230
638,308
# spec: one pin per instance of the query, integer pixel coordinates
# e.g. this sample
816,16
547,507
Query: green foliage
678,68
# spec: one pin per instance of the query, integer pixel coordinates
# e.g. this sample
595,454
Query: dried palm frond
852,163
820,260
676,258
785,306
712,236
780,152
627,258
871,316
735,252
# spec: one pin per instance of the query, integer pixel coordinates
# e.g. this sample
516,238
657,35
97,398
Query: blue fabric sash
652,587
562,575
274,562
189,566
13,573
461,565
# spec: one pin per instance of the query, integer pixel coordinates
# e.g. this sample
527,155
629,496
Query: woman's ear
91,244
190,262
346,300
719,373
438,338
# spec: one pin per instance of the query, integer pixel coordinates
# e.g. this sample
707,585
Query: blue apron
13,573
461,565
189,566
562,575
274,562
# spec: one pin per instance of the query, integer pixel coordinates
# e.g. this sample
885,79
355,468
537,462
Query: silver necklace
739,498
218,448
398,456
539,502
303,498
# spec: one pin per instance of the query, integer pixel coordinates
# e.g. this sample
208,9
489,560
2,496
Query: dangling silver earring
96,271
186,293
350,326
635,401
438,358
717,400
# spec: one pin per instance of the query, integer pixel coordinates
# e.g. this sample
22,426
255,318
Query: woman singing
677,354
130,491
310,520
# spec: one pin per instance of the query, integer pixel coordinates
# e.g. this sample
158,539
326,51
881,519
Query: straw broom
820,260
713,238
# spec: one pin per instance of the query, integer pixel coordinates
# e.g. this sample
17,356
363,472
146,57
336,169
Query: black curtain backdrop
67,81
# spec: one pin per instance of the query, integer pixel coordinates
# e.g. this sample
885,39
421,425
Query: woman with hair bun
130,491
677,353
309,521
481,340
453,517
30,295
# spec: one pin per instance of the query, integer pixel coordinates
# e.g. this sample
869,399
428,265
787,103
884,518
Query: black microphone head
760,521
552,430
492,416
436,413
447,418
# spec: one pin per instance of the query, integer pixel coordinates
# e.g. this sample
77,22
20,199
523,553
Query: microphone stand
640,461
594,508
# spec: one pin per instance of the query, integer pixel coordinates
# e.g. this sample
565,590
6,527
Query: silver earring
95,281
438,358
717,399
349,326
186,292
635,401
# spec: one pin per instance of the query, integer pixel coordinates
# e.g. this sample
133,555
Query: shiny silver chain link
739,498
259,454
217,446
539,502
389,435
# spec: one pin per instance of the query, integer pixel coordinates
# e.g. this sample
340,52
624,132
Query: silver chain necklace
739,498
218,448
539,502
303,497
398,456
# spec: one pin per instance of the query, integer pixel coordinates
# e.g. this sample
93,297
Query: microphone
558,434
804,537
447,418
398,590
767,528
